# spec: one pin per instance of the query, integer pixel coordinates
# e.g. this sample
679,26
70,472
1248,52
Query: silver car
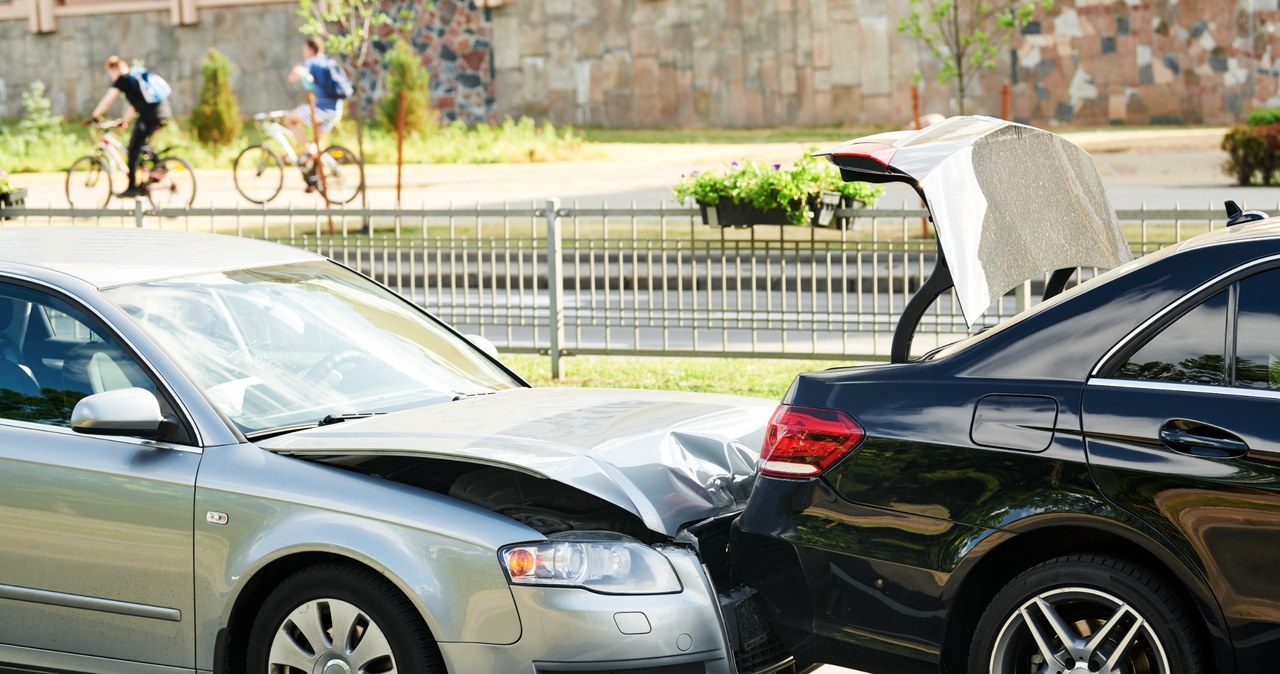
224,455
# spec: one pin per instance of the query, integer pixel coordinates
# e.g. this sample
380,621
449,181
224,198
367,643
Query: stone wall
757,63
261,42
745,63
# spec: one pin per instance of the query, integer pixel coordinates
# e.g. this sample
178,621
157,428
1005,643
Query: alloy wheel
330,636
1077,630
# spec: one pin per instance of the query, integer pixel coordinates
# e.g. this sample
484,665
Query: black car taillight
803,442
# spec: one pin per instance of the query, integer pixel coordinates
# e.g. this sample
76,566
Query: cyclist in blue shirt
150,116
316,74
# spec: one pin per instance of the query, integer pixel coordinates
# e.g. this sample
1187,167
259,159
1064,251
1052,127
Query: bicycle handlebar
274,115
105,124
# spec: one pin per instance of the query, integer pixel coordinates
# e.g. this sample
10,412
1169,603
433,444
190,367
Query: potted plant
10,196
750,193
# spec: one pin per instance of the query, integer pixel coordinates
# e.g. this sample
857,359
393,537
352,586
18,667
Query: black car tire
379,604
1087,591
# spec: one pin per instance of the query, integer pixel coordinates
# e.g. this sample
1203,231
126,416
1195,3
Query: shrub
773,187
1263,117
216,117
405,73
38,120
1253,154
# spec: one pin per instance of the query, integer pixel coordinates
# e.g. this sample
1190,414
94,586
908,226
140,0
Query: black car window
52,355
1258,332
1191,350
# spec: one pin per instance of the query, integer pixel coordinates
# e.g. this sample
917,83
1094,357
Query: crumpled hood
668,457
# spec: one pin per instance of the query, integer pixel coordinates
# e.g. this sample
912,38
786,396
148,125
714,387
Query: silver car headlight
598,561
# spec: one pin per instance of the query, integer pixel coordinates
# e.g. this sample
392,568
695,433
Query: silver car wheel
329,636
1077,630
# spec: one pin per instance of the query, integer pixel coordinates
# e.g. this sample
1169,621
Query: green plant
1263,117
38,120
967,36
216,117
774,187
405,74
1253,154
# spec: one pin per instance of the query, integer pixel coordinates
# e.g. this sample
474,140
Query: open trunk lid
1009,202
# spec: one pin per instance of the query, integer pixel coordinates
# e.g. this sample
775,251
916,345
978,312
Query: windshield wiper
339,418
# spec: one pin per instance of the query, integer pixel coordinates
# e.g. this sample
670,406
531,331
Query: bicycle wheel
171,184
88,183
258,174
343,174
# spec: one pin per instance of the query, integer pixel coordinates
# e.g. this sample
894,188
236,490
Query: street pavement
1158,168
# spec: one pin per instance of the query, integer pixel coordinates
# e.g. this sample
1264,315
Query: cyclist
326,79
151,114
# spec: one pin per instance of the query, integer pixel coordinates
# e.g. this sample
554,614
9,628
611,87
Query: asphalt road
1159,168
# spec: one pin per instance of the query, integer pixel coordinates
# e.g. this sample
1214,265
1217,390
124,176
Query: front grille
756,649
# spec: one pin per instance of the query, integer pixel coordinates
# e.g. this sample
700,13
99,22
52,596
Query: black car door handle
1199,439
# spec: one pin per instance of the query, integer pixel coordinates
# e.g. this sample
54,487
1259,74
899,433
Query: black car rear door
1182,428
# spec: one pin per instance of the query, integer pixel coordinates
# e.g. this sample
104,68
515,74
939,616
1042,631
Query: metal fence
557,279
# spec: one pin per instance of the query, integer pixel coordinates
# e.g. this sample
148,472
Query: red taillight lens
803,442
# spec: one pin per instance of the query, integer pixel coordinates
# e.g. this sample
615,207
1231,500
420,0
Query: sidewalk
1167,164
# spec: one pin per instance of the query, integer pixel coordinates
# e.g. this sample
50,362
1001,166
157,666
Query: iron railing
558,279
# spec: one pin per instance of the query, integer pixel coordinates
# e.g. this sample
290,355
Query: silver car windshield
286,346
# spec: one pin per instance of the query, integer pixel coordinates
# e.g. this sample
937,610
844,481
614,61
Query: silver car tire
339,619
1084,614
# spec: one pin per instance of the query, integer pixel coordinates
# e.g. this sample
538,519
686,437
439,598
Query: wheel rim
343,176
172,185
88,185
258,174
329,636
1077,630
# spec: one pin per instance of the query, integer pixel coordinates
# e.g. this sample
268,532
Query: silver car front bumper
574,630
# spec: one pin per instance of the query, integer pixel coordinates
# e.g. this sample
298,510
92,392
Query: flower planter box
15,199
728,213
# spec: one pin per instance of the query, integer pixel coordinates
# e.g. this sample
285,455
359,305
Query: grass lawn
762,378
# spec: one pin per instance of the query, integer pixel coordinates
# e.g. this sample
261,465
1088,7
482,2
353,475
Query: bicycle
168,181
258,171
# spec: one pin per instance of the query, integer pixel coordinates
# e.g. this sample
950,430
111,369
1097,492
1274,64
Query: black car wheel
1086,615
336,619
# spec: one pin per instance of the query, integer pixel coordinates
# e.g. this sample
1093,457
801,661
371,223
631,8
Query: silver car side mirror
125,411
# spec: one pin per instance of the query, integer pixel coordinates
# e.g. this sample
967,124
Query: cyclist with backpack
324,77
148,97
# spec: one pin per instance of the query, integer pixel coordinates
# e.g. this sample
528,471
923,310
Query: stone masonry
692,63
261,42
757,63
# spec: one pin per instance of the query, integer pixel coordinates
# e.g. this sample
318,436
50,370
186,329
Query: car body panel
874,588
96,545
669,458
1009,202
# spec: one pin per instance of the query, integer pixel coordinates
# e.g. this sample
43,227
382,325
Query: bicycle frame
115,153
282,136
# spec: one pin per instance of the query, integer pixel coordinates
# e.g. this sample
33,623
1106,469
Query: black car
1090,487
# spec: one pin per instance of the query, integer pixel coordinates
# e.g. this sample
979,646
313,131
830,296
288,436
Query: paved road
1159,168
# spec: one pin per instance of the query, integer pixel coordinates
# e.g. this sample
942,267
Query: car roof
1260,229
106,257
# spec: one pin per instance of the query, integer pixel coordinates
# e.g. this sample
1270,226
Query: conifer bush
406,73
216,118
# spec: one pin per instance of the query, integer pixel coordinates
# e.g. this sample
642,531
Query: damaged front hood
669,458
